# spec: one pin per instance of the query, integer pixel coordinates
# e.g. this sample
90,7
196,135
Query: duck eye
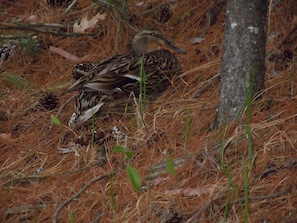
154,34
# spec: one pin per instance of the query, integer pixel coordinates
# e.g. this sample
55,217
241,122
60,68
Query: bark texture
244,56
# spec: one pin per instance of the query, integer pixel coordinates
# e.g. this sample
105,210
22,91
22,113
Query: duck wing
121,71
108,75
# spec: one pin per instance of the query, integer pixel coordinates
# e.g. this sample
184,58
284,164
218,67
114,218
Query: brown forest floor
36,177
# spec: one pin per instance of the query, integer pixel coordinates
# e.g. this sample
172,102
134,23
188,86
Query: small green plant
58,123
131,172
134,177
30,45
119,149
231,188
251,155
55,120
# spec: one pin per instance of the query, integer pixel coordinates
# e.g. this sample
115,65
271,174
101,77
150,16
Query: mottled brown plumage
118,76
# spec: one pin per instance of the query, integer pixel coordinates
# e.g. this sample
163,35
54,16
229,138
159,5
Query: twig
20,25
80,192
286,40
97,219
13,36
70,6
64,104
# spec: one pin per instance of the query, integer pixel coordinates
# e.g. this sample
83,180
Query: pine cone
165,14
6,52
49,101
81,69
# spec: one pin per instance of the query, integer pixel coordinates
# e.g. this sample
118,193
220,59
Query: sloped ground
38,180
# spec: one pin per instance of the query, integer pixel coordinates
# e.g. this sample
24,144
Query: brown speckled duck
117,77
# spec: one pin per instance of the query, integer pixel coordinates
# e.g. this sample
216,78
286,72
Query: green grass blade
246,194
111,192
71,216
170,166
14,80
142,88
188,126
293,76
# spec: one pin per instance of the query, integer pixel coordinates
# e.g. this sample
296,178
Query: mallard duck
119,76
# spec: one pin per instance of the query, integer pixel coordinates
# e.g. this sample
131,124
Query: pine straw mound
49,173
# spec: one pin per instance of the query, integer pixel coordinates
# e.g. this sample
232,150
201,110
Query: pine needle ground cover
185,170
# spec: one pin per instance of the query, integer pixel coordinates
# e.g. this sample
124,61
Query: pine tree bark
244,56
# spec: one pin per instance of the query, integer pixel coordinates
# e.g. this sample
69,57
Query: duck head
149,39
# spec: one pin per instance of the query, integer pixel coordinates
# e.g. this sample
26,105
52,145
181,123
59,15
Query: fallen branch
38,27
55,217
64,54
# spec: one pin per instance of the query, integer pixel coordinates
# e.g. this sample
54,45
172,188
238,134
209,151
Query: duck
116,78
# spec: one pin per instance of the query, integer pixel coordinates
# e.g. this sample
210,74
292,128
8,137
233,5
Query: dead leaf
86,24
5,137
32,19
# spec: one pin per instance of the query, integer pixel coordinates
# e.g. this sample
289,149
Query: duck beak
170,45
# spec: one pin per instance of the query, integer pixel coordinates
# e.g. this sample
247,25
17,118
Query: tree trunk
244,56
